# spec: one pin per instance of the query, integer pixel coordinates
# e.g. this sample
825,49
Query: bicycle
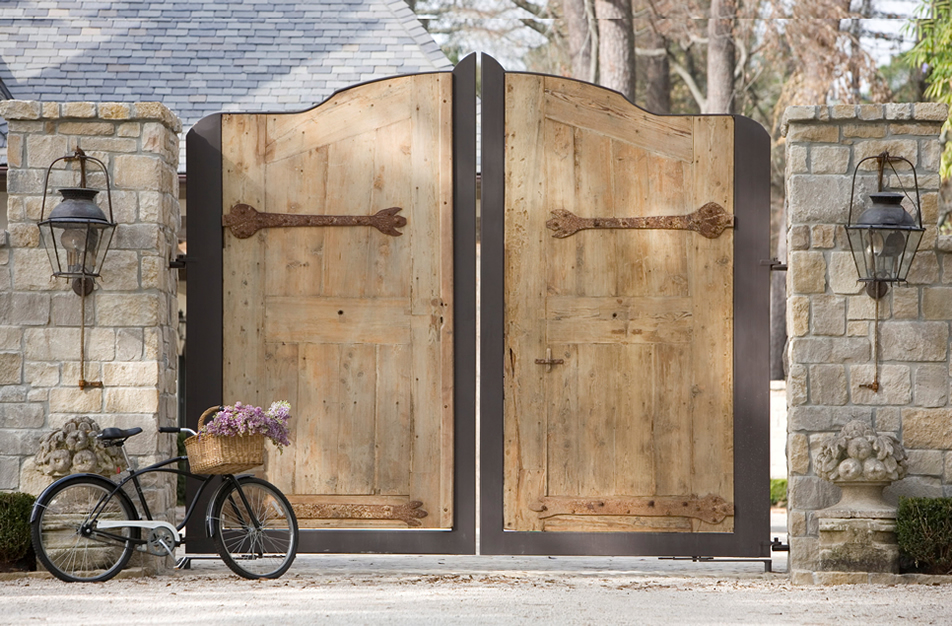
85,527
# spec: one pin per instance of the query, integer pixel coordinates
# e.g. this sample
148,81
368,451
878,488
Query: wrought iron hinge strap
244,220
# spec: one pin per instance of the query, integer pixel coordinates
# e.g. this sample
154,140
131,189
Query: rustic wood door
617,316
338,294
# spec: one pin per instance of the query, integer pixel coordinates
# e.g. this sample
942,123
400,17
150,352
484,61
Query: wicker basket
223,455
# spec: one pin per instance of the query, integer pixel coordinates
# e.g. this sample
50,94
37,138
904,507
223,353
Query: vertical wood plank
282,384
355,448
394,421
316,449
635,462
243,180
712,288
596,264
564,426
525,213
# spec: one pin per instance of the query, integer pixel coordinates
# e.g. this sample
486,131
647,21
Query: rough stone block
41,374
898,111
913,487
929,429
871,112
907,148
30,309
931,386
862,307
75,400
829,159
924,269
857,329
815,199
828,385
129,344
810,350
129,129
51,344
809,418
9,473
811,492
797,523
798,237
13,110
905,302
798,454
915,128
10,337
843,276
157,111
33,271
798,316
114,110
11,368
797,160
863,131
926,462
24,235
138,172
804,552
120,271
947,473
798,113
914,341
78,109
829,315
131,374
823,236
888,419
127,309
87,128
807,272
802,578
131,400
44,149
895,385
849,350
797,393
932,111
841,578
812,133
842,111
22,415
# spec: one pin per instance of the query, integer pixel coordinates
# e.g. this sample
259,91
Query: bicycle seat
118,433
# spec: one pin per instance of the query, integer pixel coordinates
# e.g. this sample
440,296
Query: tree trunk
657,75
720,57
616,46
581,38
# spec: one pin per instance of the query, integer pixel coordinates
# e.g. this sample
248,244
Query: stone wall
131,318
830,325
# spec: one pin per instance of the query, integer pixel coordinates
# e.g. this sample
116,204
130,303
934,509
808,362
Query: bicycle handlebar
176,429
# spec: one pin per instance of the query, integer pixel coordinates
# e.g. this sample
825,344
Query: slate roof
200,57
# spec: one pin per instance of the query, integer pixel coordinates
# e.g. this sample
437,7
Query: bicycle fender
88,476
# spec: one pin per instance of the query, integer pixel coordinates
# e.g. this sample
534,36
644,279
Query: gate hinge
774,264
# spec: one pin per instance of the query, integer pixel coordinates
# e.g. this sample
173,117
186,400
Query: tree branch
689,81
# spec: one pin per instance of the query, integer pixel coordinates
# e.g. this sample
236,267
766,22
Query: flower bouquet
233,441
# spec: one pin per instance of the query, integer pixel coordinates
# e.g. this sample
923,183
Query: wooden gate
624,373
346,246
624,326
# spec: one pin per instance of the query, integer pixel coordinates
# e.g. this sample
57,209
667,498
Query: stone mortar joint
74,448
859,454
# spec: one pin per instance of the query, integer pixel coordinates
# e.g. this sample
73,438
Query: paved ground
413,590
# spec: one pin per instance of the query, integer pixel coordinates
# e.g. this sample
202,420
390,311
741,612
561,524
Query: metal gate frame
204,340
751,341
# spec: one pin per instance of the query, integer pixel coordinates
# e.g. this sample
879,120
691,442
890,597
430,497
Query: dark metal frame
204,341
751,349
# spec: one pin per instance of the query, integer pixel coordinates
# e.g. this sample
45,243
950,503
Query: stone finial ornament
859,454
74,449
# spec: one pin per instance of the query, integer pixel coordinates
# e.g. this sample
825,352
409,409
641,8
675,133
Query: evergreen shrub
924,532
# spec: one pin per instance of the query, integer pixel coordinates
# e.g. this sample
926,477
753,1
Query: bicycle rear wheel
65,535
257,540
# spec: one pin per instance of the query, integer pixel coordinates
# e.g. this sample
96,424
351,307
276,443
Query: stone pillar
830,318
131,318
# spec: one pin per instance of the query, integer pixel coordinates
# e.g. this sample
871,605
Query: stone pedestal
858,544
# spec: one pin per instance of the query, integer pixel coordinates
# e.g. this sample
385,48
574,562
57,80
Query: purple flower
244,419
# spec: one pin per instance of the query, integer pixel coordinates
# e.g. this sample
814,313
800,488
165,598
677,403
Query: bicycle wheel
65,535
258,540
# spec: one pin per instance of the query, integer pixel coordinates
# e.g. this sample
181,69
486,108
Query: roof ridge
414,28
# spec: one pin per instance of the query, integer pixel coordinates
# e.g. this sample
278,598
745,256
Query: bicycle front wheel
66,534
256,535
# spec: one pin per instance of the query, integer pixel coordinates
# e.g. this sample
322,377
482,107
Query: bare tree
720,57
579,16
616,46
